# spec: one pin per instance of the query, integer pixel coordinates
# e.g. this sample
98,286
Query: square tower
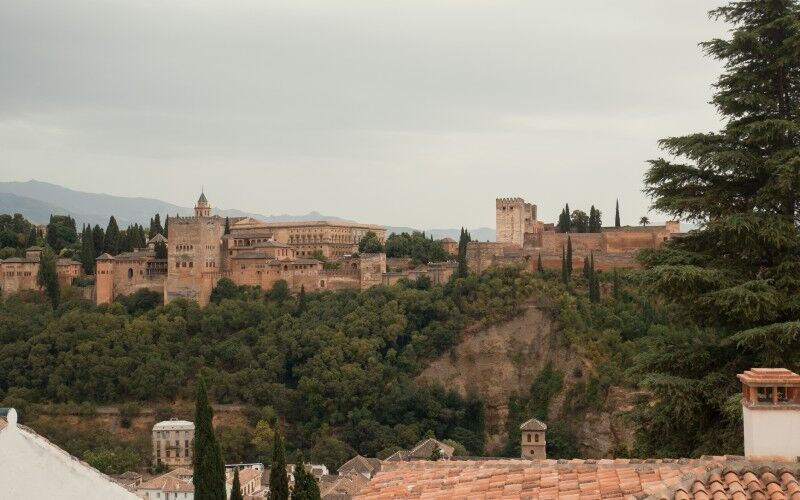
513,217
533,445
771,412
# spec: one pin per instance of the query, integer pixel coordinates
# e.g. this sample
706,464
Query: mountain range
37,200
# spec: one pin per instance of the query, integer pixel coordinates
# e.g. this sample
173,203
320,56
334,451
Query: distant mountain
37,200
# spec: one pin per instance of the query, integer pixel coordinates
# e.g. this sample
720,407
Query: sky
416,112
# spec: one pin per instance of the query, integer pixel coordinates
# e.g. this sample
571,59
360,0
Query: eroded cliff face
504,359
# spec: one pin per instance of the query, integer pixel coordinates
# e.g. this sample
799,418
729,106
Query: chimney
771,412
533,445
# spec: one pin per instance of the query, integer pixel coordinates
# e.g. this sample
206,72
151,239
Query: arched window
130,273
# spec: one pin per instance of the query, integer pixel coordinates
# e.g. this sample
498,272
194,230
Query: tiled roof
105,256
2,423
67,262
708,478
360,464
425,448
343,486
533,425
157,238
167,482
247,474
397,456
769,376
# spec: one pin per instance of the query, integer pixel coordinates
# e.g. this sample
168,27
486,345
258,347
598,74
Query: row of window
18,273
183,264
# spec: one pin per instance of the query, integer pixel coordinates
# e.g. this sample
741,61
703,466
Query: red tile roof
587,479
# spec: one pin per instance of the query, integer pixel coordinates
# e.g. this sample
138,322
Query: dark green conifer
278,481
48,276
236,487
569,255
99,236
586,270
209,470
564,273
616,215
227,226
305,484
111,244
87,250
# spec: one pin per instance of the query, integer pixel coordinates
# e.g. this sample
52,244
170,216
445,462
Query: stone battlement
506,201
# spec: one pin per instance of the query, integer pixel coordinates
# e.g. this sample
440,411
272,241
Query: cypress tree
463,240
32,237
99,236
227,226
87,250
305,484
157,225
166,226
209,471
616,215
48,276
539,266
236,487
278,481
586,270
564,274
112,242
301,300
569,255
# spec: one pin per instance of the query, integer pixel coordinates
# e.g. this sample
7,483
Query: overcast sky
413,113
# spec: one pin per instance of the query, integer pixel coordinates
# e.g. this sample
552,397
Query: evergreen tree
586,269
305,484
569,255
48,276
737,275
236,487
157,229
301,300
87,250
463,240
616,216
564,273
616,284
33,237
594,282
595,220
539,266
166,227
227,226
209,470
564,220
278,481
99,236
111,243
160,250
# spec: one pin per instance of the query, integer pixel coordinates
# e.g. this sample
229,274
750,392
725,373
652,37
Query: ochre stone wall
513,218
194,251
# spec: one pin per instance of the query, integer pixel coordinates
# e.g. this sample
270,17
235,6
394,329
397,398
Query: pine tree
112,242
87,250
48,276
569,255
737,275
278,481
209,470
236,487
539,266
616,216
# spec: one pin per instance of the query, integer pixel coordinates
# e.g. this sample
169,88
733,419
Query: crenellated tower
514,218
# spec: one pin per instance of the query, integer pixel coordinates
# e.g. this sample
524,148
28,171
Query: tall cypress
564,274
463,240
278,481
586,270
539,266
33,237
305,484
227,226
166,226
236,487
209,470
87,250
48,276
99,236
569,255
616,215
112,237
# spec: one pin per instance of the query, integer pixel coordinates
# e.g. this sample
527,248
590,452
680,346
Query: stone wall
194,257
512,217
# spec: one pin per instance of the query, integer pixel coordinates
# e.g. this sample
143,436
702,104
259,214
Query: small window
130,273
536,438
764,394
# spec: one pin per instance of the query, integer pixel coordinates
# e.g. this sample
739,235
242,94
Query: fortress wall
581,242
630,241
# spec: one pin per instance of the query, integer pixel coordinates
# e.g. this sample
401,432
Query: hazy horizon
416,114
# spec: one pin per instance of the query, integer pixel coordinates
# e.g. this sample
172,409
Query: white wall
771,432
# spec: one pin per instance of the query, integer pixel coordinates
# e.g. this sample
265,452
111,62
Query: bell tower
202,209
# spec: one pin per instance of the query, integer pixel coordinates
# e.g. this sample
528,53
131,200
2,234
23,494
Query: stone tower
513,219
533,443
771,412
202,209
104,279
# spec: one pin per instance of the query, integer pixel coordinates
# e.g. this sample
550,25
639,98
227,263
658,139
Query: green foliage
48,276
417,246
616,215
142,300
370,243
278,479
564,222
595,220
463,240
209,470
16,232
87,250
579,221
160,250
61,232
236,486
113,460
112,237
305,484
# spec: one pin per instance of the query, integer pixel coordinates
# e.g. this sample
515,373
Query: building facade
20,273
172,442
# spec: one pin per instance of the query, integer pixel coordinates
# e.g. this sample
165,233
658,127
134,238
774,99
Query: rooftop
706,478
173,424
769,376
533,425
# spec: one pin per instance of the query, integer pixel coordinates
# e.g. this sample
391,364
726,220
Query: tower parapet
514,218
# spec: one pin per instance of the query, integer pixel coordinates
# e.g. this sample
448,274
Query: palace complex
19,273
522,238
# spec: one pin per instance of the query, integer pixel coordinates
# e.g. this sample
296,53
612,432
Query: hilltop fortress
205,248
522,238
